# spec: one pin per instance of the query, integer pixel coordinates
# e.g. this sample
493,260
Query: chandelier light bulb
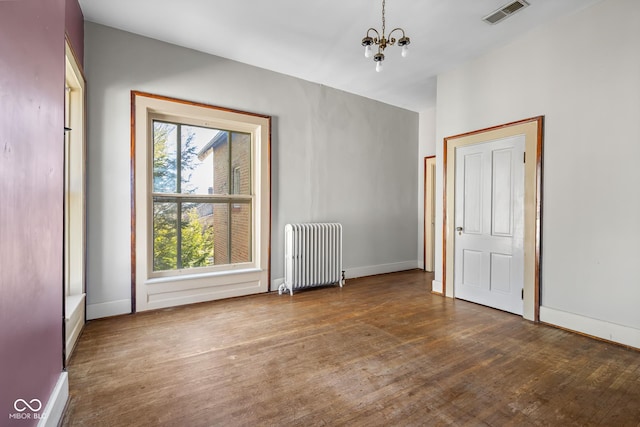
367,51
405,51
379,66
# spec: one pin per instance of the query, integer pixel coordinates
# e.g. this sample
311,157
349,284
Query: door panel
489,207
472,268
501,221
473,193
501,273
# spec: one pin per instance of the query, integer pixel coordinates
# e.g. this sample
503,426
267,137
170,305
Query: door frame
532,129
429,200
75,222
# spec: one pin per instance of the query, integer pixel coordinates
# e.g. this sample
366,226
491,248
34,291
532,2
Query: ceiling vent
505,11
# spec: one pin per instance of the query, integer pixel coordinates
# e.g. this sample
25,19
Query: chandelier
382,42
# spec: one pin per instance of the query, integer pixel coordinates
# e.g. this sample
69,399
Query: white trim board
436,286
107,309
53,412
371,270
596,328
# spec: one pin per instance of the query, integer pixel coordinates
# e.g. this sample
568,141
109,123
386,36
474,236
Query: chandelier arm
375,40
397,29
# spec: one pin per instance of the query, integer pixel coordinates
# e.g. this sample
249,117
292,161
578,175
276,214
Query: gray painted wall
335,156
583,74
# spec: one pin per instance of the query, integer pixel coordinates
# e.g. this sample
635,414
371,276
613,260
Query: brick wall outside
240,212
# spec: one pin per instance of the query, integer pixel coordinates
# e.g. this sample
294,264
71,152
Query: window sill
212,274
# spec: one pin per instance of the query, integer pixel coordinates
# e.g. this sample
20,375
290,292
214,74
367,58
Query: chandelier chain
383,20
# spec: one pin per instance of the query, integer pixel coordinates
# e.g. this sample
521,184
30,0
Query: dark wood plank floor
382,351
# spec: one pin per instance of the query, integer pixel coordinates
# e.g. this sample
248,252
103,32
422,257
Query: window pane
202,148
241,163
164,157
221,233
165,237
197,235
240,232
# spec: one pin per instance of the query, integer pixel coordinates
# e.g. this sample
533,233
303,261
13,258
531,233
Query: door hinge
524,157
522,294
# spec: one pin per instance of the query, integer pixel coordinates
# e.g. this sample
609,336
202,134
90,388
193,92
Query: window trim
150,290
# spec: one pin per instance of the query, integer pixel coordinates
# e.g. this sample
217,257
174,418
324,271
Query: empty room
393,213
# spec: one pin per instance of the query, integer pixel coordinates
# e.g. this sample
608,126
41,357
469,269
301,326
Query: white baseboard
54,410
436,286
275,283
107,309
372,270
594,327
74,321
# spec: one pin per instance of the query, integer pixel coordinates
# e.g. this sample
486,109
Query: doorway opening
74,201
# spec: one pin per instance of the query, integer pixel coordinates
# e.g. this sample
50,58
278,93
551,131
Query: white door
489,226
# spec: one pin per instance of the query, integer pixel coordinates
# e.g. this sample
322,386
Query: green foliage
196,237
165,238
197,241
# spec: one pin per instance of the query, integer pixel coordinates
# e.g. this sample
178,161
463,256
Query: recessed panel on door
501,189
473,193
472,270
500,280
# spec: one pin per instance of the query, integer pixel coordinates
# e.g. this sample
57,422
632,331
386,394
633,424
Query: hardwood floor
382,351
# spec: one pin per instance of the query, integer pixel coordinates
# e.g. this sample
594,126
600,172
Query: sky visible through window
201,177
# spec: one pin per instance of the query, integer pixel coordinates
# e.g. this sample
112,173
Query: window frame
167,288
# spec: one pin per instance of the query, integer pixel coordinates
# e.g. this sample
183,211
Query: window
193,223
201,197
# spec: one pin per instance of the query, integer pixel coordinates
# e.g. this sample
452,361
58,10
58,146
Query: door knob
459,230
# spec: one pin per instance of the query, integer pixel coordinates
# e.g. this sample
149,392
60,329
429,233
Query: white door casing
489,223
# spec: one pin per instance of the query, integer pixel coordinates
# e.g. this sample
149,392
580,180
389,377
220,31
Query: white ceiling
319,41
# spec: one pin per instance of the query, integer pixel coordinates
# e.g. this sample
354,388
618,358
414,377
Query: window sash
233,200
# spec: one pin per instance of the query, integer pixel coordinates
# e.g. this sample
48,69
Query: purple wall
74,25
31,200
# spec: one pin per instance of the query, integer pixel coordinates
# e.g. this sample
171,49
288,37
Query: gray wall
335,156
583,74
